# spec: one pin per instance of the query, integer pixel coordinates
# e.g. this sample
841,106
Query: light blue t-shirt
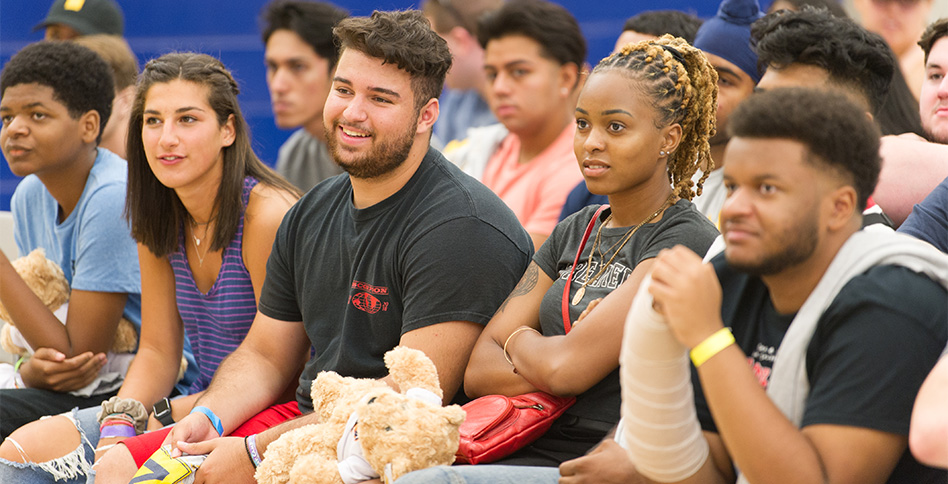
94,245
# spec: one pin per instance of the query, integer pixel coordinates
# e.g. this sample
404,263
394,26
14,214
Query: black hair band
674,52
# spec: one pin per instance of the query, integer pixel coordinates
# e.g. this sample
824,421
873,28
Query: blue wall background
229,31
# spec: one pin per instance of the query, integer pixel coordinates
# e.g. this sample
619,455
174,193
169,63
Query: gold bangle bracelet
517,331
711,346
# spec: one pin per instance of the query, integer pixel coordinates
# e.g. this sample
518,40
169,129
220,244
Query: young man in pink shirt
533,53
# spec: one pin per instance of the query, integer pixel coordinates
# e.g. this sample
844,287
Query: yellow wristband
711,346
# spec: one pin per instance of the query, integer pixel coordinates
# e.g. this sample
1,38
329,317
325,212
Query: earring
564,91
662,153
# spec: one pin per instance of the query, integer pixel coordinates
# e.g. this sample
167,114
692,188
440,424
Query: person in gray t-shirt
300,57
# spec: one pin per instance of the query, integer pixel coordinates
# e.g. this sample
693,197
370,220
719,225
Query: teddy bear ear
325,387
36,255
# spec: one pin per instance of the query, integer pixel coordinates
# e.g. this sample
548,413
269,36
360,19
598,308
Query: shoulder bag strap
569,279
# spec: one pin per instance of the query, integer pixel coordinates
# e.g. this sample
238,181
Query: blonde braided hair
683,88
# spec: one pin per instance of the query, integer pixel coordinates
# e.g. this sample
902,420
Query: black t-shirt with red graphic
873,347
443,248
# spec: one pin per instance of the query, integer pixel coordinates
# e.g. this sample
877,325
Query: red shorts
143,446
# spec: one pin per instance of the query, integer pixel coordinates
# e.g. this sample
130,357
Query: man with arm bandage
824,312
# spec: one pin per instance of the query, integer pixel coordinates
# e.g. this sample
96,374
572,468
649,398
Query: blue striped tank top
216,322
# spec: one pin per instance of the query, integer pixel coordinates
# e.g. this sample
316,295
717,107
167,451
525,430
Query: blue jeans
71,469
483,474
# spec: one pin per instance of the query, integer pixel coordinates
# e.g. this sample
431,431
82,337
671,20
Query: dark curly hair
837,133
403,38
683,88
549,24
661,22
854,57
932,33
79,78
311,21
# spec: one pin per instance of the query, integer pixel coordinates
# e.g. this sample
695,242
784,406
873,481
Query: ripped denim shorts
73,468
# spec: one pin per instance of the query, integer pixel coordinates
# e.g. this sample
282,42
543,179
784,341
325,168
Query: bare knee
116,466
35,443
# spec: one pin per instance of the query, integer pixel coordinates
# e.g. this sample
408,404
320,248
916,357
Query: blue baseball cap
727,35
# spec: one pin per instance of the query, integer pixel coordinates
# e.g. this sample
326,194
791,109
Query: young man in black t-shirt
405,250
800,165
809,337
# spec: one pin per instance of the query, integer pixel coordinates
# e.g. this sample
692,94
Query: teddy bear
46,279
367,429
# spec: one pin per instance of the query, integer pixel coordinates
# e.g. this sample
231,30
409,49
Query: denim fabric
32,473
483,474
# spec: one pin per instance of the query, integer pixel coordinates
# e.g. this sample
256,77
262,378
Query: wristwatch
162,412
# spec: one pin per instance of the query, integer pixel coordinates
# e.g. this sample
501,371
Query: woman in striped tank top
204,210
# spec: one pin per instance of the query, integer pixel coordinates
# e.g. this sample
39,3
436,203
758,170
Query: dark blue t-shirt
873,347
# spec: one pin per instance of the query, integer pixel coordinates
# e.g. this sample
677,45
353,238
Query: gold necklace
197,242
578,297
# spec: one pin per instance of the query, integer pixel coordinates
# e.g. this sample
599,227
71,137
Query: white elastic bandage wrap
660,427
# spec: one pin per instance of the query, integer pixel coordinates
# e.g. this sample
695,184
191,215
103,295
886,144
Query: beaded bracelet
124,417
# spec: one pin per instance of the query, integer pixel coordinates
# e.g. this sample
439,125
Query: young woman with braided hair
643,120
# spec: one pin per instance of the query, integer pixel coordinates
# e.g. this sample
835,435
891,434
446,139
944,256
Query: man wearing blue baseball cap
68,19
725,40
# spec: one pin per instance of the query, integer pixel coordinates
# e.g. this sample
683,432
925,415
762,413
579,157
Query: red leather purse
497,425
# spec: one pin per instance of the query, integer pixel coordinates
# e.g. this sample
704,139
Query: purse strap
569,279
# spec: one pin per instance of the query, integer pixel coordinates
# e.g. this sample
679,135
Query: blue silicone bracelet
215,420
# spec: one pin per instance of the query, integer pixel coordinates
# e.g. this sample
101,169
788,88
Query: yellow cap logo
74,5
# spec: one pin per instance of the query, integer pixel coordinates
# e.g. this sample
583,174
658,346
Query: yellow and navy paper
161,468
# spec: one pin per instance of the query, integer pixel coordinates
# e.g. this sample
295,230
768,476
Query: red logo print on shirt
761,372
366,300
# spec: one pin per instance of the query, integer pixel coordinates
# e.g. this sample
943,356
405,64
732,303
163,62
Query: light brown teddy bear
394,433
45,278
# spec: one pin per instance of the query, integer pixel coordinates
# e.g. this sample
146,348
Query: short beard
930,134
800,248
383,159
